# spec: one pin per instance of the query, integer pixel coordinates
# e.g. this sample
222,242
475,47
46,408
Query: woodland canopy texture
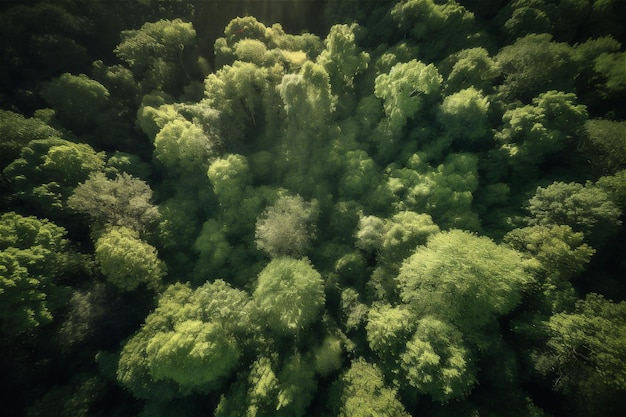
320,208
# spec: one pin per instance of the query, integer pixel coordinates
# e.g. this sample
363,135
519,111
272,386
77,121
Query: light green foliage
307,97
395,238
436,362
188,344
193,354
289,295
463,279
78,100
472,68
49,169
124,201
463,116
127,261
244,94
183,148
389,329
406,89
33,254
287,227
353,311
341,58
558,248
561,256
534,64
362,392
587,209
428,21
154,53
17,131
445,192
611,68
155,112
229,177
586,352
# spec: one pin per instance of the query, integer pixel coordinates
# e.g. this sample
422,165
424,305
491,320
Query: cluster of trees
417,210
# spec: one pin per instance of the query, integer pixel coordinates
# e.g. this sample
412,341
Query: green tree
585,208
189,343
289,296
361,392
427,21
534,64
470,68
341,58
464,117
406,90
49,169
287,227
585,355
124,201
155,53
463,279
34,256
127,261
436,362
79,101
444,192
184,149
17,131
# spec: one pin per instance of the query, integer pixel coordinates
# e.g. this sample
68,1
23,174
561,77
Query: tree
79,101
289,295
155,53
406,89
341,58
189,343
427,21
464,117
396,238
463,279
34,256
127,261
534,64
49,169
307,97
436,362
587,209
17,131
361,391
183,148
123,201
585,355
287,227
471,68
444,192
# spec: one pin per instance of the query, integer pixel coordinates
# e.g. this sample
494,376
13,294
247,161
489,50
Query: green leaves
190,343
406,89
289,295
287,227
464,279
123,201
126,261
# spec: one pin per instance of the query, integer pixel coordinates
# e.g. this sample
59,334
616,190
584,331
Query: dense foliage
334,208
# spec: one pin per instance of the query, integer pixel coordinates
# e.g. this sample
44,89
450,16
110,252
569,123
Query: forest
325,208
